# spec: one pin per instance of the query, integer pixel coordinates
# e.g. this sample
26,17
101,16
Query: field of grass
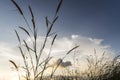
98,69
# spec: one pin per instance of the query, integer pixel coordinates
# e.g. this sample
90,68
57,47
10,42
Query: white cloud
8,51
60,48
87,45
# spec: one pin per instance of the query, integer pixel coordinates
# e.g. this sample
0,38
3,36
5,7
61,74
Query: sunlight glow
15,76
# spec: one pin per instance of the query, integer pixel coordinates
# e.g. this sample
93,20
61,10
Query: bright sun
15,76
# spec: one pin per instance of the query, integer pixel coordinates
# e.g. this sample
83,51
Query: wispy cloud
87,46
61,46
7,51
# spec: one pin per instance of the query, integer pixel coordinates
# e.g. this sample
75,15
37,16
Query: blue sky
90,23
92,18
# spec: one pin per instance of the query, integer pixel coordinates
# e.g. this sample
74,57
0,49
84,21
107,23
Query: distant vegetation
34,69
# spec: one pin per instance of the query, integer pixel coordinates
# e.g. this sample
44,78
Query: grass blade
22,53
72,49
62,59
25,31
46,18
59,5
17,36
49,30
33,21
14,64
54,39
52,33
30,9
55,20
26,45
17,6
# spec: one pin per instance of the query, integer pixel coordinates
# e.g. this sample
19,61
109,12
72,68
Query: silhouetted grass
33,68
98,68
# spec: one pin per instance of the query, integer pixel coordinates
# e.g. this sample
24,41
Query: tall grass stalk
33,68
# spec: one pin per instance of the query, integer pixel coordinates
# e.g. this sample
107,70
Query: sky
85,22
